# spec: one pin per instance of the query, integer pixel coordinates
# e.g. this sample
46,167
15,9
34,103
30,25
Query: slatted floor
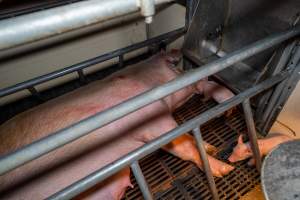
171,178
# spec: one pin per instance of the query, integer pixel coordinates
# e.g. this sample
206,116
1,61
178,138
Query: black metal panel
207,24
233,24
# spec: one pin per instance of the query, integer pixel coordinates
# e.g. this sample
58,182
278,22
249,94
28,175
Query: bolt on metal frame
69,134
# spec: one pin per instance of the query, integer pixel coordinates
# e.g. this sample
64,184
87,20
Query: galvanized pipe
83,127
252,133
43,24
205,163
140,179
110,169
170,36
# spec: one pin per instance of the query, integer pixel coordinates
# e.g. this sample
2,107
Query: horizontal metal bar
140,179
110,169
252,49
252,133
211,182
170,36
83,127
43,24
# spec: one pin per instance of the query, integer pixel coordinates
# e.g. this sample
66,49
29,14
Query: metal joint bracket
147,9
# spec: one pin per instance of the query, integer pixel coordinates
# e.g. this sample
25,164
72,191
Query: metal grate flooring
170,178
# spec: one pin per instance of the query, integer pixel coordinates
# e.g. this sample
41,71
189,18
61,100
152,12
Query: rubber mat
171,178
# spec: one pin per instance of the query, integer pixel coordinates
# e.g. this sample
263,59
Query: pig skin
50,173
243,150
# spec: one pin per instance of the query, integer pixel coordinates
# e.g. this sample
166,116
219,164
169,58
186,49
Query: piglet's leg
113,188
184,147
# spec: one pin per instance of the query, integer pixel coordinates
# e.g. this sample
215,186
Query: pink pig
60,168
243,150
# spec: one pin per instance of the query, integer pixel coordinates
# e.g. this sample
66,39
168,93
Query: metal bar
290,85
110,169
121,60
81,75
252,133
250,50
275,96
140,179
73,68
205,163
43,24
263,102
85,126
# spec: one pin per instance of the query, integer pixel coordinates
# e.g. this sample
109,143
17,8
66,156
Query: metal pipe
93,61
110,169
43,24
140,179
211,182
252,133
85,126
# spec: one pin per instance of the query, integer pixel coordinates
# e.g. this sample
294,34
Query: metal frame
166,38
69,134
110,169
43,24
86,126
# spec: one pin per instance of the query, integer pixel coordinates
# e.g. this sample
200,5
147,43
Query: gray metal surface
205,163
265,98
281,96
110,169
167,37
39,25
233,73
83,127
208,19
252,133
281,172
140,179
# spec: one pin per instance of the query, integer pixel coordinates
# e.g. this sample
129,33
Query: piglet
243,150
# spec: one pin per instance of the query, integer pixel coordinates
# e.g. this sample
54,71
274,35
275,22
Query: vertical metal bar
252,133
208,173
140,179
279,90
121,60
81,76
112,168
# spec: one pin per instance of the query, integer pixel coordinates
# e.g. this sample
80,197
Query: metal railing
44,24
166,38
110,169
86,126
